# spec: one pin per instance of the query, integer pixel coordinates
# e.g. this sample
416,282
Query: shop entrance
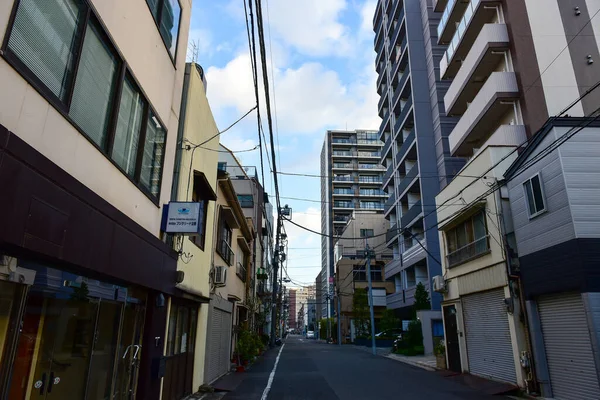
80,339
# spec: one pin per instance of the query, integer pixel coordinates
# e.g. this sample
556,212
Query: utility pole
339,325
328,319
274,321
368,253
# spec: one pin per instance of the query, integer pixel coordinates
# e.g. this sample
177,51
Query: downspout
180,132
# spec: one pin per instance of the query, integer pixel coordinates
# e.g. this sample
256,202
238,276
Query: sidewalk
426,362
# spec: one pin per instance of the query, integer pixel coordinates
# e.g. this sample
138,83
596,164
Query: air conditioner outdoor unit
220,275
439,285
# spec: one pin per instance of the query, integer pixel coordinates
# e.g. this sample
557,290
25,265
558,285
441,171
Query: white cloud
304,264
366,25
310,98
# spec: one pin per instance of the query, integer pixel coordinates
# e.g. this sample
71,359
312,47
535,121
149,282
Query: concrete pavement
311,370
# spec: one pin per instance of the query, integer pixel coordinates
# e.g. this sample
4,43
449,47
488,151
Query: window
534,195
224,242
61,49
366,233
246,200
153,153
222,166
467,240
166,14
360,273
197,196
181,336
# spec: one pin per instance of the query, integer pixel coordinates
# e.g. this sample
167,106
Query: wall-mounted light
577,11
590,60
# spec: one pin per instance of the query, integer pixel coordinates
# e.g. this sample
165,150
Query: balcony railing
404,183
224,250
343,141
468,252
369,142
370,179
382,98
370,205
342,204
411,214
388,204
385,120
369,166
401,84
386,147
400,120
240,271
388,173
343,165
398,27
342,153
343,191
375,154
342,179
372,192
405,146
340,219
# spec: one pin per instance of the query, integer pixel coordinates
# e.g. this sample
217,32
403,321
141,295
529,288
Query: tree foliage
421,299
360,311
389,320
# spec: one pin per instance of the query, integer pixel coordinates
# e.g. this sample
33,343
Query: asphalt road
308,369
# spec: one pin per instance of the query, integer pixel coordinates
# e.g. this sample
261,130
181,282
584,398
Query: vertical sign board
181,217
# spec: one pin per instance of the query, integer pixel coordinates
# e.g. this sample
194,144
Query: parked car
390,333
310,334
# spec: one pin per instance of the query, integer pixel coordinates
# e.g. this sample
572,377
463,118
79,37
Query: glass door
54,349
130,351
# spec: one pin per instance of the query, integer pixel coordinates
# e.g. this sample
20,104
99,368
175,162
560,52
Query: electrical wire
229,151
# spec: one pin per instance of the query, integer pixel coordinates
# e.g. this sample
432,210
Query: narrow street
308,369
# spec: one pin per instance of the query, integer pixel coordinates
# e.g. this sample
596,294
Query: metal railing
398,27
388,173
343,191
388,204
369,154
411,214
400,120
370,205
224,250
401,84
343,141
468,252
343,204
408,178
405,146
391,234
386,147
342,165
240,271
460,29
370,179
342,179
444,20
342,153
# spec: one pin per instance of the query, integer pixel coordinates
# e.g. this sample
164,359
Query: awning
202,187
229,215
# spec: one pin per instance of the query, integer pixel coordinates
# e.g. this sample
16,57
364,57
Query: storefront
83,288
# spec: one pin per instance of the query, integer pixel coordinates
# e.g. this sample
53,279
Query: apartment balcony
477,14
378,32
415,253
379,56
398,28
453,12
384,122
339,219
370,180
466,253
480,62
369,154
343,205
439,5
382,98
343,192
380,78
395,266
404,297
343,154
373,193
401,86
371,167
406,145
343,179
343,142
507,135
388,204
369,142
402,117
370,206
388,174
342,166
411,215
378,17
240,271
491,103
386,148
408,180
395,10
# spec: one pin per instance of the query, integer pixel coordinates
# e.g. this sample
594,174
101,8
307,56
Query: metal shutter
568,347
489,345
217,354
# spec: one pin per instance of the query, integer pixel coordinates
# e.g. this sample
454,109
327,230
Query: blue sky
321,64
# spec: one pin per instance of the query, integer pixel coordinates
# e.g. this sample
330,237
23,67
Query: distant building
351,178
292,317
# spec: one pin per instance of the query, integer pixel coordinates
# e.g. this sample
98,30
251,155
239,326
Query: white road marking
272,376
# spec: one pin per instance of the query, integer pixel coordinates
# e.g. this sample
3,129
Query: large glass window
467,240
129,125
150,175
535,196
44,38
167,13
93,93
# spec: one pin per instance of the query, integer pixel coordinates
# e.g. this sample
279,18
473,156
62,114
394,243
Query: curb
413,363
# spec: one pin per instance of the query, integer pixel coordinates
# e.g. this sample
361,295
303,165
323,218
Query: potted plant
440,354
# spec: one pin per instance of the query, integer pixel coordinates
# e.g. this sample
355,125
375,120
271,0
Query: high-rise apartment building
415,133
351,179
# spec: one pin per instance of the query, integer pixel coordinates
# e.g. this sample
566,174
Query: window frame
246,200
453,232
542,194
90,17
364,232
160,5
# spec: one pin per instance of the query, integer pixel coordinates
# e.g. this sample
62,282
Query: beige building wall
26,113
199,125
489,270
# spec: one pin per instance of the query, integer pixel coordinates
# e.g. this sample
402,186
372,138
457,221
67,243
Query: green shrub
411,351
414,334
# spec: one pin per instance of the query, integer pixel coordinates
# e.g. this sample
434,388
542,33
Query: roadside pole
368,255
339,326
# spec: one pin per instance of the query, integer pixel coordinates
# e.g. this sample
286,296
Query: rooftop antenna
193,48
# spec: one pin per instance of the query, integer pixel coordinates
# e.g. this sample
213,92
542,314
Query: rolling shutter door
568,347
219,337
489,345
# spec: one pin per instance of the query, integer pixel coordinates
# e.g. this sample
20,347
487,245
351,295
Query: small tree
421,299
389,320
360,311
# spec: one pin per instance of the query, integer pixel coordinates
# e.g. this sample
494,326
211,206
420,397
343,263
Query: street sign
181,217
